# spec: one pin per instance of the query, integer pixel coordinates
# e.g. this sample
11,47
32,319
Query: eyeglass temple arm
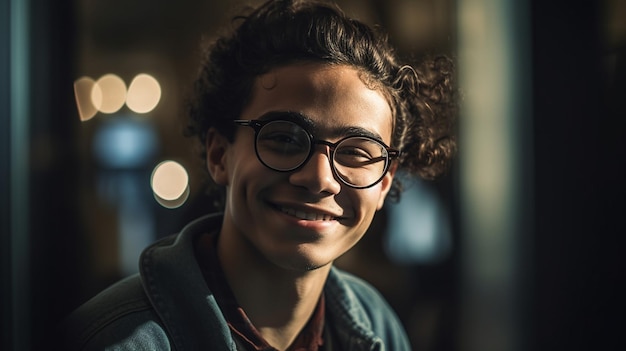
393,154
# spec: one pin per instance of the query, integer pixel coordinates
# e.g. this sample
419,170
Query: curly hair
281,32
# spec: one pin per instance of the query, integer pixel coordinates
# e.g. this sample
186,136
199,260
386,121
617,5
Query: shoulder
120,317
356,305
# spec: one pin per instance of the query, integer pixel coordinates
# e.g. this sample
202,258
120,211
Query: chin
313,267
302,264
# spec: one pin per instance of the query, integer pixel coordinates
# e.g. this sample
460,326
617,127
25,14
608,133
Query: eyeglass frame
258,124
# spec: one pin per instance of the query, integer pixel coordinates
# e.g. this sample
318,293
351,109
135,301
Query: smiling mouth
309,216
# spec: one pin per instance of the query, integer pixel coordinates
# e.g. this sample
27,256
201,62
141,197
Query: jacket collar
170,272
196,310
352,323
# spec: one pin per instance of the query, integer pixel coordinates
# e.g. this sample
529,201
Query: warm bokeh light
171,204
82,92
109,93
170,184
144,93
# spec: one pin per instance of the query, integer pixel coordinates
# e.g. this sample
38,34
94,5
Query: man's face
304,219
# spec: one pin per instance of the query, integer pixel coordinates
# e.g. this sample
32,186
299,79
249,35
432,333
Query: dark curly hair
281,32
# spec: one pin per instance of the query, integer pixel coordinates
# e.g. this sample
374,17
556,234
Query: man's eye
353,157
353,152
359,152
280,138
282,143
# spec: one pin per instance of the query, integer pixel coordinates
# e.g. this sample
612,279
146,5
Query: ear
216,147
386,184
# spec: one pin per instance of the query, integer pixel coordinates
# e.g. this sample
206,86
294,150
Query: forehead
334,97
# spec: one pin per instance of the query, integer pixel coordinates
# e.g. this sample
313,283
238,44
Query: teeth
305,215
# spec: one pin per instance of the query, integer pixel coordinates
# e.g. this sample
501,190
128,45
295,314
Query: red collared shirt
309,339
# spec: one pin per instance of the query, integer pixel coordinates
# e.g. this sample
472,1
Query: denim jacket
167,306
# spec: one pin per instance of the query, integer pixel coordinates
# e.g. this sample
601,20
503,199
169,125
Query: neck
278,301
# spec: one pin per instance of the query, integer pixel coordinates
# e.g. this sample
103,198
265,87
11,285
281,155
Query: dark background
576,153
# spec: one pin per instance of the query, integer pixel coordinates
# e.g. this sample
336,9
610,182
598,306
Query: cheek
366,202
243,160
385,187
248,178
242,171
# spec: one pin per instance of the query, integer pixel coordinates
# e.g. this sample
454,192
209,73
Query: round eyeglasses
285,146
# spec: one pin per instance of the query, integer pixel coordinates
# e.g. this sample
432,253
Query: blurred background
518,247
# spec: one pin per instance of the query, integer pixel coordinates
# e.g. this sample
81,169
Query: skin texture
277,263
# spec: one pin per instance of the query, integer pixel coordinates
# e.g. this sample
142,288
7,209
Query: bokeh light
144,93
170,184
109,93
83,88
125,143
419,229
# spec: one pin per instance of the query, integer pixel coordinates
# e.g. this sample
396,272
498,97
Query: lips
309,216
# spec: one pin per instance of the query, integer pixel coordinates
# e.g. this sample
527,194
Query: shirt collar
309,339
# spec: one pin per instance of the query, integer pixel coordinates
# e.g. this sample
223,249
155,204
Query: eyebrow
357,131
311,126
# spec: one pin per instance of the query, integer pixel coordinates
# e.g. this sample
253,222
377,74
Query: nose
317,175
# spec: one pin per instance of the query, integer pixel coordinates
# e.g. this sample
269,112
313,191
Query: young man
305,117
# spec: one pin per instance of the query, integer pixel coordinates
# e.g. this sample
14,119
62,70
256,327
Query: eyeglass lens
285,146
